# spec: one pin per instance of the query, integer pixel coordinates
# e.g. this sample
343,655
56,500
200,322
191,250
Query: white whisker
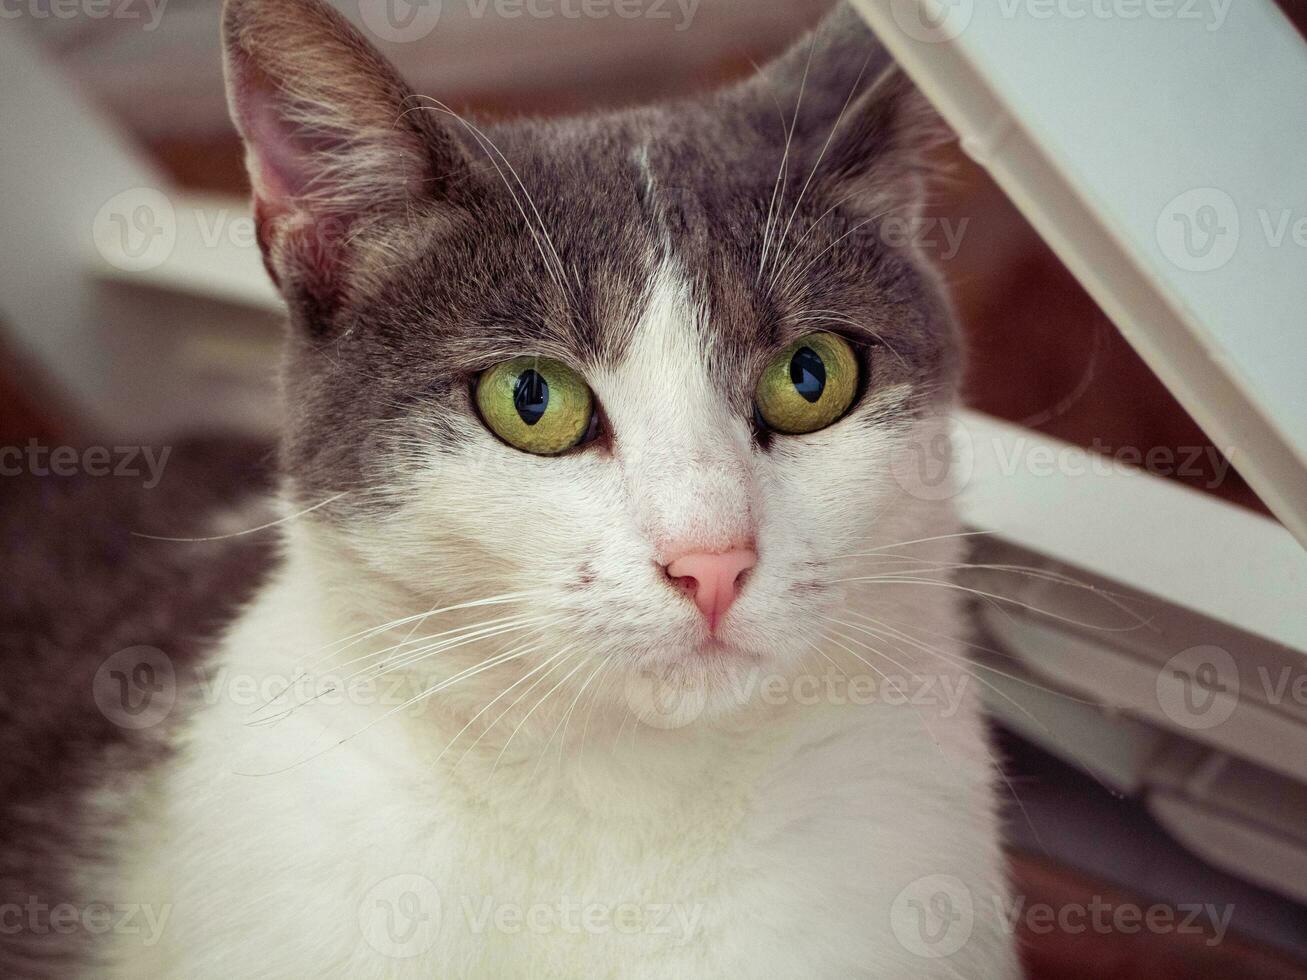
785,160
535,707
820,157
253,530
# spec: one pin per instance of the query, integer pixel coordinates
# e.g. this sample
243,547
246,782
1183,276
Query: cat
610,602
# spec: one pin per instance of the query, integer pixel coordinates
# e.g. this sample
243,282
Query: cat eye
536,404
809,385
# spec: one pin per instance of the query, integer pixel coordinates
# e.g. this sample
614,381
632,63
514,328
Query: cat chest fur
669,853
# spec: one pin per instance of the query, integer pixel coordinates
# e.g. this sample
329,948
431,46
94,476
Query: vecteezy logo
1199,687
932,21
135,230
401,21
1199,230
136,687
937,461
667,698
400,916
933,916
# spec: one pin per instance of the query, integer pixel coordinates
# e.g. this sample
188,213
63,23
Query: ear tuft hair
885,149
853,107
334,139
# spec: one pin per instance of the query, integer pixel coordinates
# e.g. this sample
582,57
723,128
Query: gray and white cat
607,601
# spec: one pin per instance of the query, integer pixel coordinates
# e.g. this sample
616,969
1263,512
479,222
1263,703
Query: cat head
644,375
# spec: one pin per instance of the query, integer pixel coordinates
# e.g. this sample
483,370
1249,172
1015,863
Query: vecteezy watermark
938,459
1287,685
668,699
136,229
1201,230
125,462
33,917
939,237
1198,688
1211,14
935,916
150,11
933,21
272,695
400,21
793,240
136,687
676,696
1201,464
1201,687
401,917
1102,917
405,21
676,922
939,21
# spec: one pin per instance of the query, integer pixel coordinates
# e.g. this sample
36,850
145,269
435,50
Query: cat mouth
714,648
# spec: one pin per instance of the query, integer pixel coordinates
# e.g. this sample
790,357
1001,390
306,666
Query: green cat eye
809,385
535,404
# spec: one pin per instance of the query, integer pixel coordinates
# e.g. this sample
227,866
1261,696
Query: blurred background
128,306
1041,352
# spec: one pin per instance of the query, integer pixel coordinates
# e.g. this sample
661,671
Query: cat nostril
686,583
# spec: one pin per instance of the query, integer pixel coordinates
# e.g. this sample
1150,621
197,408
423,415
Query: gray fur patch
770,195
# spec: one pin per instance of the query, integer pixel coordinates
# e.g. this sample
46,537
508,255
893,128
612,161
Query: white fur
761,837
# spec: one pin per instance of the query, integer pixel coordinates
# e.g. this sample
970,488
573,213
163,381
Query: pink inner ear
285,159
283,167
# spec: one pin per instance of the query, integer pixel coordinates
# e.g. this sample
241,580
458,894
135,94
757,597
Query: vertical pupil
531,396
808,374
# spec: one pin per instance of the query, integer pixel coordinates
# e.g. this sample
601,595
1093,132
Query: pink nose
713,580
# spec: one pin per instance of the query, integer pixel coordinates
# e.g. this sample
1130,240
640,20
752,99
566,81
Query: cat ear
883,149
855,111
336,144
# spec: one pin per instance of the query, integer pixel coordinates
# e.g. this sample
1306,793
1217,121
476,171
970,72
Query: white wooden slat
1160,157
1121,524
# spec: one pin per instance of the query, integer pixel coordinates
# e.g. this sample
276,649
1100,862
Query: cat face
646,372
